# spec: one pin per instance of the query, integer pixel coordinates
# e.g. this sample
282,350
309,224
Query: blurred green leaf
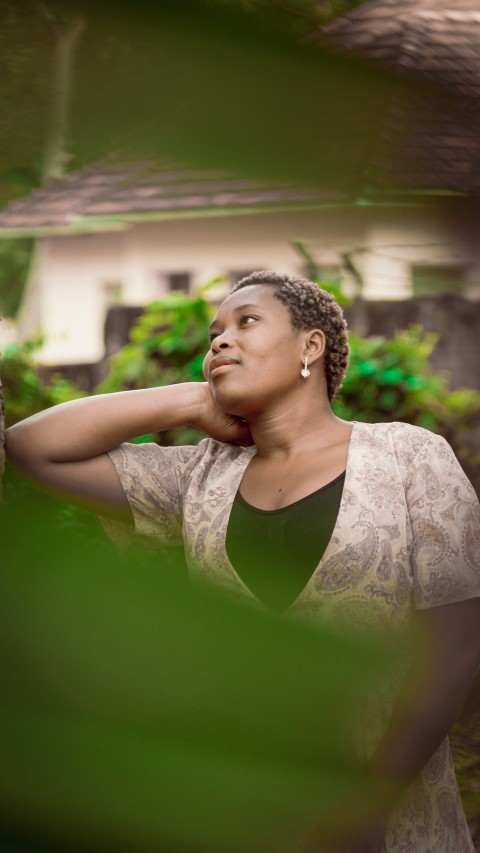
139,713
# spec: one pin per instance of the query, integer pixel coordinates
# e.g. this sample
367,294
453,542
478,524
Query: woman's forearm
85,428
420,727
433,697
65,449
426,710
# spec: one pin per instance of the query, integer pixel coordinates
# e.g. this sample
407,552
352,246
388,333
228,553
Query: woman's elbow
13,444
19,448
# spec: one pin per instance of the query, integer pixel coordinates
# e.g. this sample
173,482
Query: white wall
72,298
217,245
71,278
419,236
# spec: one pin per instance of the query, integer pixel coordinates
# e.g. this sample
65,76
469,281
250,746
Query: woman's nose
221,342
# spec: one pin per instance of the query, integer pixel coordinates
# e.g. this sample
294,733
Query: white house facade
128,232
398,251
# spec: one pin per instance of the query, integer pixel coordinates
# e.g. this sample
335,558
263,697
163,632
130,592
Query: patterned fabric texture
407,536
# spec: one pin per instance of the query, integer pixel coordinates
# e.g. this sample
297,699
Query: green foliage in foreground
126,648
139,713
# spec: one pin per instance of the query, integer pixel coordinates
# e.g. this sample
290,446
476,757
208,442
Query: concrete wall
457,323
456,320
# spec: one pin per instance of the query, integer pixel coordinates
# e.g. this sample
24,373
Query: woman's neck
289,431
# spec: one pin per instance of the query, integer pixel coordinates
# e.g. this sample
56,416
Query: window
112,293
437,279
178,281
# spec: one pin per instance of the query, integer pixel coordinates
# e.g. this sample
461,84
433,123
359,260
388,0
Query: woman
375,523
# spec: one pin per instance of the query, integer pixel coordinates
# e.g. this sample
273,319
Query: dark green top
275,552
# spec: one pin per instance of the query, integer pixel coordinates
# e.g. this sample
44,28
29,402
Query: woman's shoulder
148,468
209,461
207,448
402,433
404,444
210,451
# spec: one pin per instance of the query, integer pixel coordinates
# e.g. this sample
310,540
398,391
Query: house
127,232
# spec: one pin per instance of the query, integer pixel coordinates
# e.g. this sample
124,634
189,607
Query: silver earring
305,371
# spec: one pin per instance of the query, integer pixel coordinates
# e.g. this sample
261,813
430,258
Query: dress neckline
331,544
271,512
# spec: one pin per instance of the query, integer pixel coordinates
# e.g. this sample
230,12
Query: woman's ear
315,345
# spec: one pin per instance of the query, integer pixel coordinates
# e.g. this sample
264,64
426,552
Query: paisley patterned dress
407,536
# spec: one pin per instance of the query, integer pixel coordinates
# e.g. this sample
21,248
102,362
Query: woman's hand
219,424
65,448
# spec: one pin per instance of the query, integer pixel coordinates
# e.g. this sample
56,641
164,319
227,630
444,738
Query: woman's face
256,354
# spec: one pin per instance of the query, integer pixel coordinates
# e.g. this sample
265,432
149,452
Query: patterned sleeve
445,522
152,478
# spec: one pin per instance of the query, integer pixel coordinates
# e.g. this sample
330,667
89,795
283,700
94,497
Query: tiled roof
431,132
127,190
429,138
376,29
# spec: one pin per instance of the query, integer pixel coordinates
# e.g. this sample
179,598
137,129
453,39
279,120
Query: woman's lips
221,361
217,367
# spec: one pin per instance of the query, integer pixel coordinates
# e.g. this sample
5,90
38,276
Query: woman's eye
244,321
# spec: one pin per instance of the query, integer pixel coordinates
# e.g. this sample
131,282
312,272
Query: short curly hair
310,307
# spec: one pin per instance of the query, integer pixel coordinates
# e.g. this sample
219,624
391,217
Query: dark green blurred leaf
140,714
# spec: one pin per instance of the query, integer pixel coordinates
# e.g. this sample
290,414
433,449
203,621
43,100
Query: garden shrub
393,380
386,380
24,391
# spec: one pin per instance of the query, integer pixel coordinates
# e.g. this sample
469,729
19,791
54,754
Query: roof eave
78,227
86,225
122,221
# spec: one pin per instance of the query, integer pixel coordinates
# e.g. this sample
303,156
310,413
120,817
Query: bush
23,390
167,345
26,394
387,379
393,380
15,259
